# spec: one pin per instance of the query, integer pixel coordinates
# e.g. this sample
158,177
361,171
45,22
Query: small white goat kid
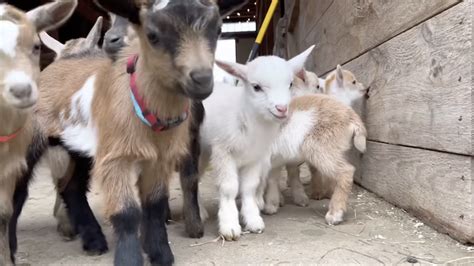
240,125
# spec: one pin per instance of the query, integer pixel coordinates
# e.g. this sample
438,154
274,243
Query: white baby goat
239,128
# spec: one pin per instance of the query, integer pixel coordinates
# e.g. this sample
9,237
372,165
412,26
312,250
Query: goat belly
79,133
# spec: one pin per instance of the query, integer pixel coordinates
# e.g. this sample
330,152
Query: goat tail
360,133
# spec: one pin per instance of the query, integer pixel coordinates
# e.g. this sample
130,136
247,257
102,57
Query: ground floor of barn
375,232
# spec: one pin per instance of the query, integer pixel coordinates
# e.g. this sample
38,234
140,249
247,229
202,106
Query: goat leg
79,211
153,228
189,177
35,151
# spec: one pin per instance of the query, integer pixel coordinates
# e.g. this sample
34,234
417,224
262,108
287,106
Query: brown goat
94,115
57,158
19,72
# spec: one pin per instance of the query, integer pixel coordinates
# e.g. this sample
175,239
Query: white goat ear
93,37
51,15
302,75
339,76
51,43
235,69
297,62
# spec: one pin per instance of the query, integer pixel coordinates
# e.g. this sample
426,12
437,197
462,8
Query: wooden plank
349,28
435,187
310,11
420,85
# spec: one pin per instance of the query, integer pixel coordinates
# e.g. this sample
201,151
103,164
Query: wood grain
348,28
310,11
436,187
420,85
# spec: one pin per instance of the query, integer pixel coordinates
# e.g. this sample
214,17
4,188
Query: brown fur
325,146
123,139
14,117
13,153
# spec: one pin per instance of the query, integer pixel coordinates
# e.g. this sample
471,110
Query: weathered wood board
434,186
421,84
349,28
310,11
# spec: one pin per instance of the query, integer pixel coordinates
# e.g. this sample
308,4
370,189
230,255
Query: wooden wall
417,58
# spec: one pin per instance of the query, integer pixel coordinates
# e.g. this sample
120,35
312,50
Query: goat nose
202,78
21,91
281,108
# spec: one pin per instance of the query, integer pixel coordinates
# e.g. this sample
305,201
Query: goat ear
51,43
124,8
51,15
235,69
302,74
339,76
297,62
93,37
226,7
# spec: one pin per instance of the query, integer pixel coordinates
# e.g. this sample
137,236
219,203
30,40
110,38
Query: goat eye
153,38
291,84
354,82
257,88
36,49
317,87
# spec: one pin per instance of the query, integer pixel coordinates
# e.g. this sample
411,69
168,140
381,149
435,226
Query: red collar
5,139
142,111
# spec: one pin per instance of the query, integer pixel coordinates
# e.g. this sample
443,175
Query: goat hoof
67,232
301,200
255,225
320,195
334,217
195,230
270,209
231,233
95,245
166,257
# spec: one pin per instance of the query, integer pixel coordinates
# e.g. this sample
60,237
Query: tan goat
101,113
57,158
320,131
19,72
343,86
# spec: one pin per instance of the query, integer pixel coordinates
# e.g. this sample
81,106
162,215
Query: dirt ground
374,233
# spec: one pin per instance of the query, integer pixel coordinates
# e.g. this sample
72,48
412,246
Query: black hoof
165,259
195,229
95,244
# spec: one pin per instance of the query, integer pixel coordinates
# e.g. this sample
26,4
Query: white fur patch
9,32
286,148
80,133
3,10
346,97
160,4
16,77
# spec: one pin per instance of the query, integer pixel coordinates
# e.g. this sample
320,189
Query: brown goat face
20,49
19,59
186,33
